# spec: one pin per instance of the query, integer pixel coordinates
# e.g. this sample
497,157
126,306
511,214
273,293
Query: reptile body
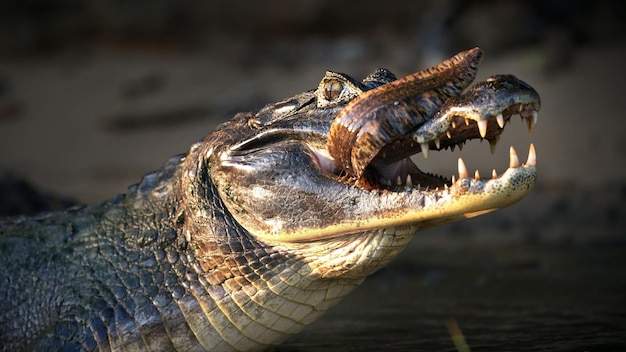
263,225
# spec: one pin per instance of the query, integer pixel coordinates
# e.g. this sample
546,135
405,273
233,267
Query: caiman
265,224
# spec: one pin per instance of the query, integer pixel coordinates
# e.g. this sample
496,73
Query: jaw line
466,198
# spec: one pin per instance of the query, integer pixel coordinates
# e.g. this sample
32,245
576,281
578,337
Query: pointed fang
500,120
462,169
482,128
529,122
513,159
424,147
494,174
476,175
492,145
532,156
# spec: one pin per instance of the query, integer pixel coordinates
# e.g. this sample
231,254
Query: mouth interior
393,168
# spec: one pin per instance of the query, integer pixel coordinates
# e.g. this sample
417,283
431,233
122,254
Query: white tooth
520,108
535,116
448,134
494,174
424,147
399,181
462,169
476,175
453,123
438,143
500,120
513,159
466,121
409,181
453,179
532,156
482,127
445,186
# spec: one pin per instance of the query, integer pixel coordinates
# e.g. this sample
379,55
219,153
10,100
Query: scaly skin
264,225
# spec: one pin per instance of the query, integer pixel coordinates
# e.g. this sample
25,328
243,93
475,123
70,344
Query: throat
356,255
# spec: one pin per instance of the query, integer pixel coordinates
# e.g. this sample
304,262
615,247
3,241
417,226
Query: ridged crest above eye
337,88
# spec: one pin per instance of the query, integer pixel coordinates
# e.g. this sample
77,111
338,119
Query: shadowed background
94,94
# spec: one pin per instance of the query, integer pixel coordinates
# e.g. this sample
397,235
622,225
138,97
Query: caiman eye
332,89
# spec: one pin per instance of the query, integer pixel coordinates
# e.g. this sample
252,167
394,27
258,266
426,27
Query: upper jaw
483,111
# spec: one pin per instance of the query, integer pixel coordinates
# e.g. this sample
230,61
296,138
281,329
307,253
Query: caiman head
333,164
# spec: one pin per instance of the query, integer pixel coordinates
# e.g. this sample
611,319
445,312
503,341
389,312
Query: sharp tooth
500,120
448,134
492,144
482,128
494,174
462,169
453,123
466,121
409,181
534,114
399,181
529,123
460,145
438,143
453,179
532,156
520,108
452,147
513,159
424,147
476,175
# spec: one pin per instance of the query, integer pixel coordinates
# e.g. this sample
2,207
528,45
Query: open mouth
387,173
376,154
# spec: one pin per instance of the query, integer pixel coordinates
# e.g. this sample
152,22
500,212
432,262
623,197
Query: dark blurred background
35,27
95,93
